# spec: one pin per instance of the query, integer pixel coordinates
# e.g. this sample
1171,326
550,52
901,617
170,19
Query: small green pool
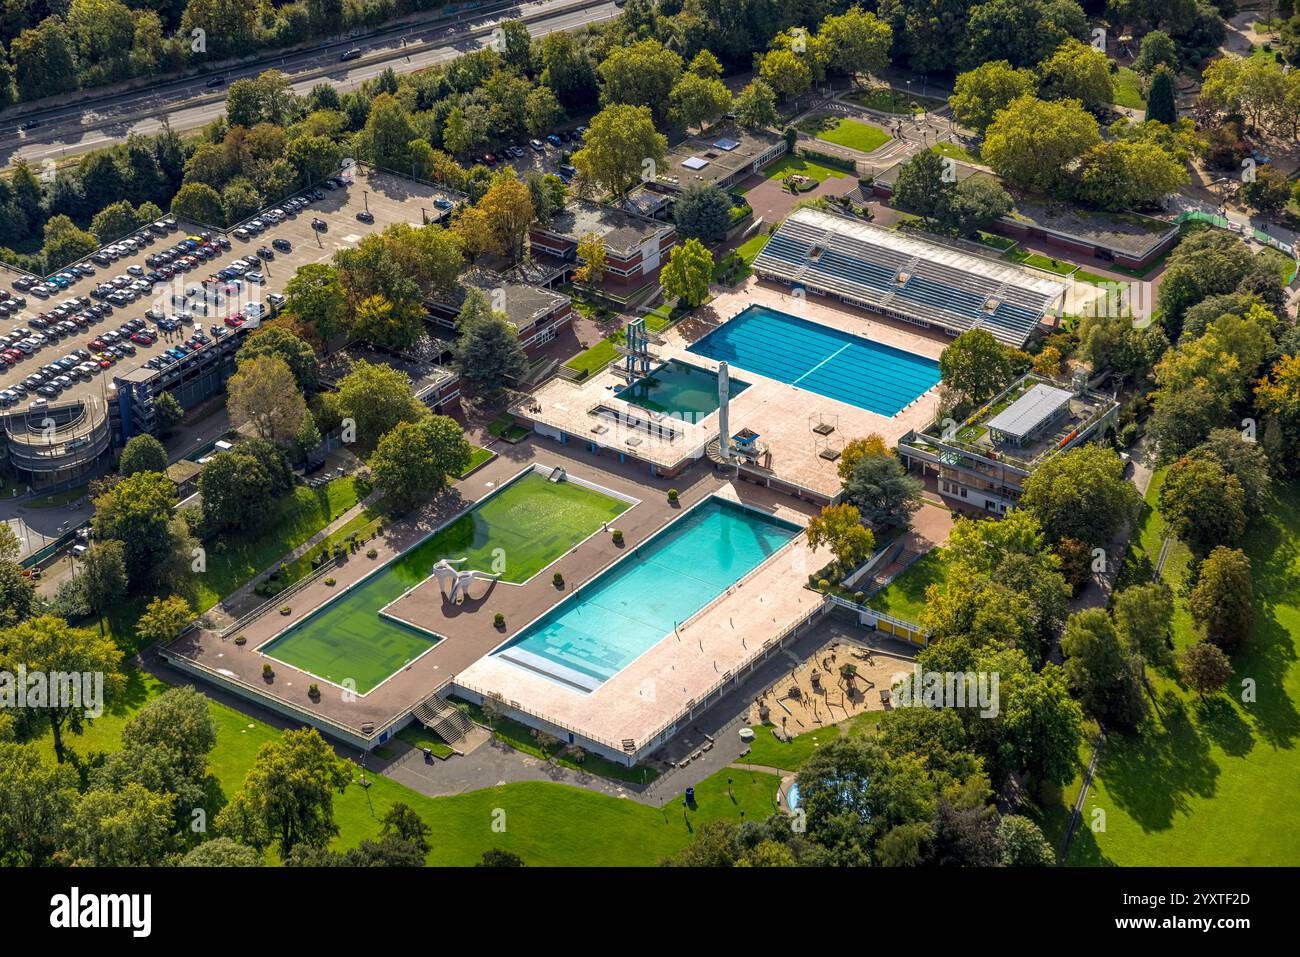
681,390
516,531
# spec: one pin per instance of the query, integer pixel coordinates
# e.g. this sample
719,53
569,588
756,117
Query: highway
189,104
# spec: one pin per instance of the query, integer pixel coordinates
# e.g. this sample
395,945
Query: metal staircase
442,718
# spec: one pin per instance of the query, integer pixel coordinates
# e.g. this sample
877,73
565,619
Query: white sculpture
458,581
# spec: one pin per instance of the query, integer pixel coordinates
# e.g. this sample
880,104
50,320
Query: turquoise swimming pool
596,632
680,389
829,362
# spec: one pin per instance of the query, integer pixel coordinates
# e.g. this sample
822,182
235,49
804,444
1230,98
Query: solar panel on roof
727,144
694,162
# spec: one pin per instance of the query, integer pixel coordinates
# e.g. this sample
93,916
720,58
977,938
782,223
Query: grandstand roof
894,272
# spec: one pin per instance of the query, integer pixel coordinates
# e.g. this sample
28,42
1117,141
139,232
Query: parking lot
101,338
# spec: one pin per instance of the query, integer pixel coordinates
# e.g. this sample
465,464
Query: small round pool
792,796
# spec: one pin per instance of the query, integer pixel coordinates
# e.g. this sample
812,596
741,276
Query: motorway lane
79,129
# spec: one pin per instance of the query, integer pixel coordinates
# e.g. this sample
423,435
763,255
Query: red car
97,345
235,321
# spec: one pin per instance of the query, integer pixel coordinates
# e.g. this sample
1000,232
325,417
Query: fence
277,600
887,624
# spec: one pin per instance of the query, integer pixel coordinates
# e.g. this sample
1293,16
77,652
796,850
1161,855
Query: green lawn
889,100
235,559
789,165
744,256
766,751
504,427
58,499
514,533
855,134
418,736
1212,783
546,824
592,360
479,457
904,597
956,151
1128,89
1028,258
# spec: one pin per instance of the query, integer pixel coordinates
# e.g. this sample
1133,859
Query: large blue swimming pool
595,633
829,362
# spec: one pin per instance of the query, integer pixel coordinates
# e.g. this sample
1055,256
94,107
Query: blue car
555,141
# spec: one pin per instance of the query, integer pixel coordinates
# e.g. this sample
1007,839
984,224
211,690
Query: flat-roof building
635,246
723,156
536,313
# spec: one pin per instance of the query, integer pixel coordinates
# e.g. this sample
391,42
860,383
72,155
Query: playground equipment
458,581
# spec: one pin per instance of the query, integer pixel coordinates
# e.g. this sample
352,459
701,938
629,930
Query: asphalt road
80,128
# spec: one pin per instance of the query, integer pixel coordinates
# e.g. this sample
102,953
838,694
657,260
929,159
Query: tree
687,274
1278,398
1160,98
1204,667
163,619
376,397
131,827
1105,678
415,460
198,203
496,857
923,186
755,107
142,453
1223,601
1021,31
703,211
855,42
50,646
785,72
288,794
103,577
114,221
619,143
963,837
65,243
1081,494
640,75
1143,617
591,253
1022,843
137,511
168,412
840,528
1268,191
314,296
36,801
1158,49
1032,143
508,207
973,204
1203,505
1079,71
879,486
698,100
293,351
236,492
222,852
1042,726
487,350
265,392
976,365
980,93
1243,459
44,60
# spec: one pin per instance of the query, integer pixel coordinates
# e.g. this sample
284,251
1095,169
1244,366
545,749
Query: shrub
499,620
313,691
617,535
558,579
241,639
267,671
330,582
285,610
372,553
672,495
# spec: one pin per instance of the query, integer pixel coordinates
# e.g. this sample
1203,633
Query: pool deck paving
783,415
468,629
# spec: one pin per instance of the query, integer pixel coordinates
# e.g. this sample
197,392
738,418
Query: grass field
605,351
1128,89
889,100
518,531
904,597
789,165
956,151
546,824
1213,782
477,458
295,518
1028,258
855,135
